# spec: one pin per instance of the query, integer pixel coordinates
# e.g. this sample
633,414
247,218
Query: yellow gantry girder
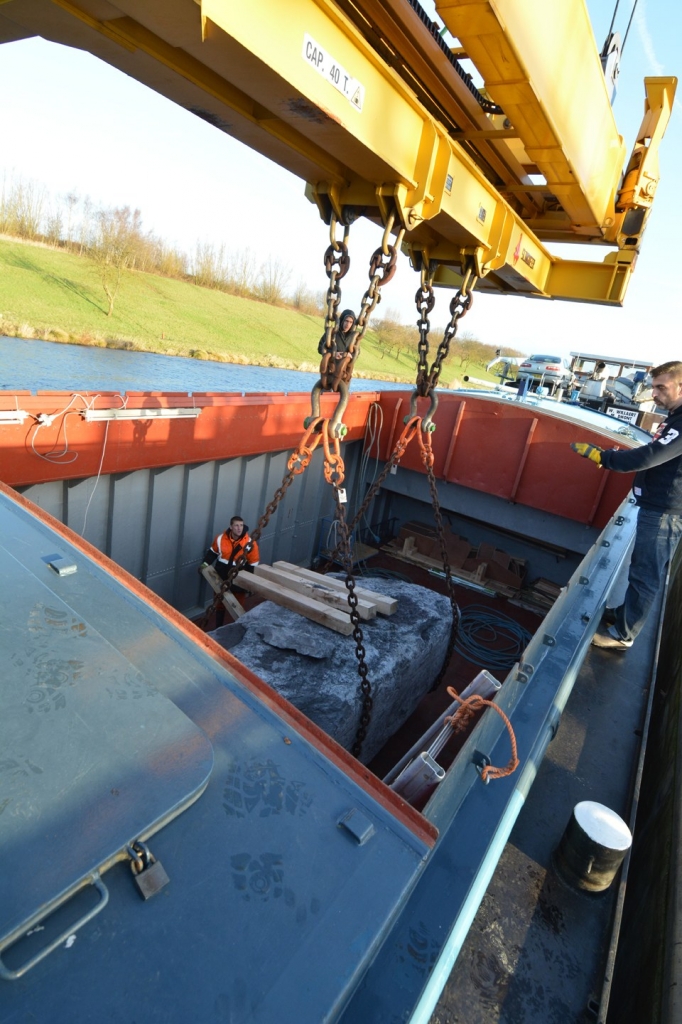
540,62
360,100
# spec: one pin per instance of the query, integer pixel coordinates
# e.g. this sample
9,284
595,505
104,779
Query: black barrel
592,847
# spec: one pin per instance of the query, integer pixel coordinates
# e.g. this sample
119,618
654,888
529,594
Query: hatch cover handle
95,880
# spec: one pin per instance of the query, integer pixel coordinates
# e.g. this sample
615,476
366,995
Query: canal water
48,366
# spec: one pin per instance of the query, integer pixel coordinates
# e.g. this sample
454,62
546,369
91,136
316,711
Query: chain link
336,265
460,305
403,441
365,685
427,458
382,267
425,300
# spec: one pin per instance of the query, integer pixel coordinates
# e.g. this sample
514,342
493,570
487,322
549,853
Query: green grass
55,295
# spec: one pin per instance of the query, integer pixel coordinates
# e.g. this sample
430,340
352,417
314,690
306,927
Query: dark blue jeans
656,538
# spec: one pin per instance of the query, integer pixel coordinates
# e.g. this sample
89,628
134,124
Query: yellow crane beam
540,62
318,92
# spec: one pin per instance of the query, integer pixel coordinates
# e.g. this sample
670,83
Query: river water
49,366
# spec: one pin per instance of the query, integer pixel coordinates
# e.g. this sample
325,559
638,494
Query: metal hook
387,233
465,280
426,421
428,272
333,222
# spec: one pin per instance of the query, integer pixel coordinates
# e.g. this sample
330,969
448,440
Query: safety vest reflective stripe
228,549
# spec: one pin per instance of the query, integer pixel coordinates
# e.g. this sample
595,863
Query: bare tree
242,272
71,201
168,260
21,207
86,225
209,268
272,281
392,336
117,238
307,301
54,226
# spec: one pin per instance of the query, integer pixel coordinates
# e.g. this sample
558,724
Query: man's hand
204,565
588,451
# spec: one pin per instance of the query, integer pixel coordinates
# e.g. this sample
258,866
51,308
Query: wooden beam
385,605
314,610
318,590
229,600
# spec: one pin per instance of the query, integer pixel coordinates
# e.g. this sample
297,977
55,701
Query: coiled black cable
490,638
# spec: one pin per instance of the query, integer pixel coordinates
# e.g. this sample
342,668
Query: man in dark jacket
342,337
658,493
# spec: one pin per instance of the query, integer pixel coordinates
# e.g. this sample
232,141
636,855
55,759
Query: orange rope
474,703
461,718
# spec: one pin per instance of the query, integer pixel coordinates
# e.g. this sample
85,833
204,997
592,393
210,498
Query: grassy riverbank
57,296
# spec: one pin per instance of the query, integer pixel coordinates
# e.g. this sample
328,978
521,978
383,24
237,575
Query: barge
301,886
283,880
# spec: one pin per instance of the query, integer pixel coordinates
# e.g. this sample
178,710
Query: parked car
550,371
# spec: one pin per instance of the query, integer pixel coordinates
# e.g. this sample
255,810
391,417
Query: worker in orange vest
226,549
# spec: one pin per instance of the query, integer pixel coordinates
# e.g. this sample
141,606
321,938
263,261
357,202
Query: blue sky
73,123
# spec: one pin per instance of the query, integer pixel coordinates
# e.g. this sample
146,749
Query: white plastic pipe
484,684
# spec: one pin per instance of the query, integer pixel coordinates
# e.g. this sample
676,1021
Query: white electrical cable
52,456
375,422
99,473
59,458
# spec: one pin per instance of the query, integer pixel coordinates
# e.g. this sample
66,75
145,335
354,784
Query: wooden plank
229,600
314,610
409,545
318,590
477,577
385,605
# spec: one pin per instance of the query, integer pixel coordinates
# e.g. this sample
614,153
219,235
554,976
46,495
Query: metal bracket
549,640
480,761
525,671
357,825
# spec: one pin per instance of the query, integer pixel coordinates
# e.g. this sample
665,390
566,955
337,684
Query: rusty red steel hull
230,425
512,450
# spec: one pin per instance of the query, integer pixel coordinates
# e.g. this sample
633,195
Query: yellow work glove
588,451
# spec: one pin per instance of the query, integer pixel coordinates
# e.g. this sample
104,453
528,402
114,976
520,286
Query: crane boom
365,102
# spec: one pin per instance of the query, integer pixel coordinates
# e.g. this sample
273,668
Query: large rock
316,669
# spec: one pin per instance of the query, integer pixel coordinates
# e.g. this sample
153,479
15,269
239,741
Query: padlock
148,872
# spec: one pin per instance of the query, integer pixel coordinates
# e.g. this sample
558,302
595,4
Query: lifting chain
365,685
336,265
334,473
462,301
426,453
409,432
382,266
425,300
